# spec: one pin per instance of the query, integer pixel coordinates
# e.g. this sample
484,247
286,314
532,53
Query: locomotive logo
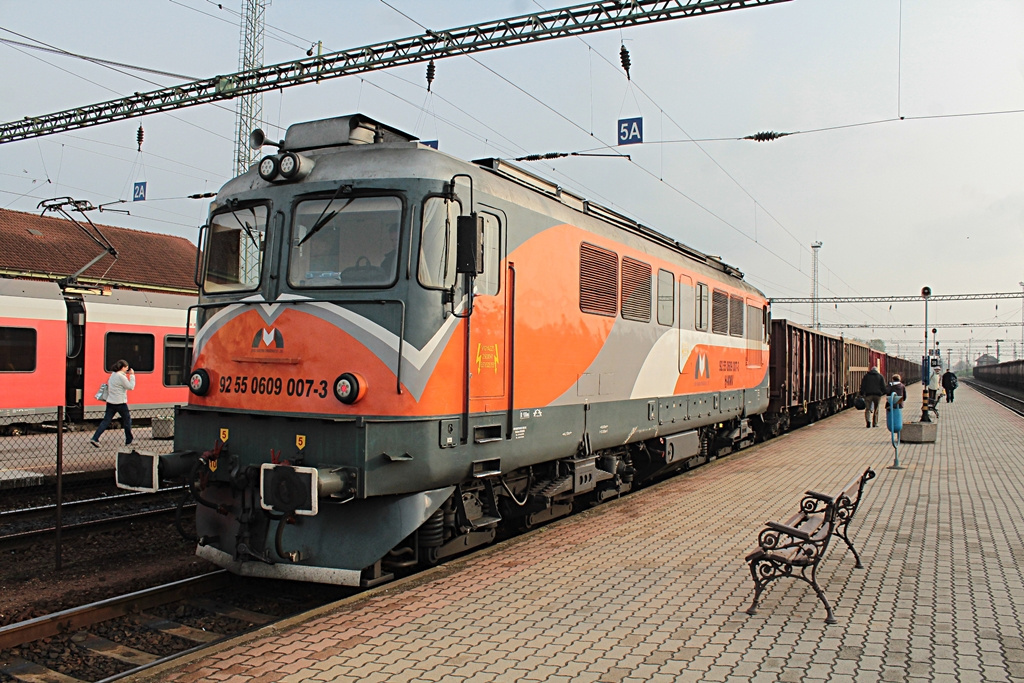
272,339
701,368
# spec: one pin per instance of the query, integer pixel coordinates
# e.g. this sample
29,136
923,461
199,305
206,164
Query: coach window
736,316
719,312
666,297
137,349
17,349
234,250
437,243
703,309
345,242
599,280
176,360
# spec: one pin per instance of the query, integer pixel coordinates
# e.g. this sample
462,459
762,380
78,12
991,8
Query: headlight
199,382
349,388
294,166
268,168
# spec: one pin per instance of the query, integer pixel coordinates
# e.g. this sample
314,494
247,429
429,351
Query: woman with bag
121,381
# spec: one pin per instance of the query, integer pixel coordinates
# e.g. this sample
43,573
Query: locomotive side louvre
342,392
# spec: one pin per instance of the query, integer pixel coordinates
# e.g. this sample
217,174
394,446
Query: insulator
138,136
766,136
431,70
624,57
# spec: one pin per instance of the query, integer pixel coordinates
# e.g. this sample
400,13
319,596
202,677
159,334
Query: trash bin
163,427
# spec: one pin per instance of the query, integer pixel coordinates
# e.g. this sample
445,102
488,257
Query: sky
905,157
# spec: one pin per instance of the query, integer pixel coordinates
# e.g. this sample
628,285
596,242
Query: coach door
487,349
74,368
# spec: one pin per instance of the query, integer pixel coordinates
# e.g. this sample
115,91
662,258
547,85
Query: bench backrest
846,507
808,534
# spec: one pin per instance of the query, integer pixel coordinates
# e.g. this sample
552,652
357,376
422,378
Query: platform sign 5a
631,131
139,193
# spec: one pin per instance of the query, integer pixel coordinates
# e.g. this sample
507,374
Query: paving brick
652,587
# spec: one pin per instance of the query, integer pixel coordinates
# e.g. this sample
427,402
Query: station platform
654,587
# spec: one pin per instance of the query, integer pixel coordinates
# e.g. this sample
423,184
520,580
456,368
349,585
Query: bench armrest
821,496
789,530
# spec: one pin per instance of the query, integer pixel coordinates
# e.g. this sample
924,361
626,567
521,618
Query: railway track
128,634
1014,402
25,525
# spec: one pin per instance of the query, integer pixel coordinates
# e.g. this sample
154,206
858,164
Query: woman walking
121,381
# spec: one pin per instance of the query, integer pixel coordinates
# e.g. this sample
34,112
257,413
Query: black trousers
126,419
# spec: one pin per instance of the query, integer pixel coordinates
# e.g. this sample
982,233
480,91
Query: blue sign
631,131
429,143
139,194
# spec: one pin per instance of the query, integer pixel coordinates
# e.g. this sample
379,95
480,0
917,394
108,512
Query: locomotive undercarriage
239,533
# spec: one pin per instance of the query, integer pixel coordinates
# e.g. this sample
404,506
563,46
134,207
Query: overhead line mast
250,105
569,21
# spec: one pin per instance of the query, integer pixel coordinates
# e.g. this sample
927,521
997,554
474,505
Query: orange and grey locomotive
399,352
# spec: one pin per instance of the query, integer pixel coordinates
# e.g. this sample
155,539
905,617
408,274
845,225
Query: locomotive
399,352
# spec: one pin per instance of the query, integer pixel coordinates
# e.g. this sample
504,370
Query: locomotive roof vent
354,129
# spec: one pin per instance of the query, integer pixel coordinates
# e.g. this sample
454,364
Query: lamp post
1021,322
925,366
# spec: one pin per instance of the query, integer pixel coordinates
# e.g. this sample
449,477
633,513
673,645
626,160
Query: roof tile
47,245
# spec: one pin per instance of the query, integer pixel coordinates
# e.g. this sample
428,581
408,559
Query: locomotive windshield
234,254
346,242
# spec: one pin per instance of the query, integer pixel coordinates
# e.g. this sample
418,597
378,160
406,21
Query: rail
67,620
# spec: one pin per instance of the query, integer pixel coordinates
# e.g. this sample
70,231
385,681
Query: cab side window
437,243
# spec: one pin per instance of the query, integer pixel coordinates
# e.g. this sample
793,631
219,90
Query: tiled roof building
52,247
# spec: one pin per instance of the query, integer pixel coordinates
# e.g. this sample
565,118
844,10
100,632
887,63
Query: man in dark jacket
873,387
949,383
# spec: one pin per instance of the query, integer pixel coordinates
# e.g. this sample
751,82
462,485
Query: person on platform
934,384
122,380
949,383
872,388
897,387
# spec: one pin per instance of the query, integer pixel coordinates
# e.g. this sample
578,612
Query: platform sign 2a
139,193
631,131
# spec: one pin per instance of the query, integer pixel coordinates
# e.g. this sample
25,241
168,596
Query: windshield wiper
247,228
324,219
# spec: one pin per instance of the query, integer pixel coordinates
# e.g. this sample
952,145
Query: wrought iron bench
846,509
796,547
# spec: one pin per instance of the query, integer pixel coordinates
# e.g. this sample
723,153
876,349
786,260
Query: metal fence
29,452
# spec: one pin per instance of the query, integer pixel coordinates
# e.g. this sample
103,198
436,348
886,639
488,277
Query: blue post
894,422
